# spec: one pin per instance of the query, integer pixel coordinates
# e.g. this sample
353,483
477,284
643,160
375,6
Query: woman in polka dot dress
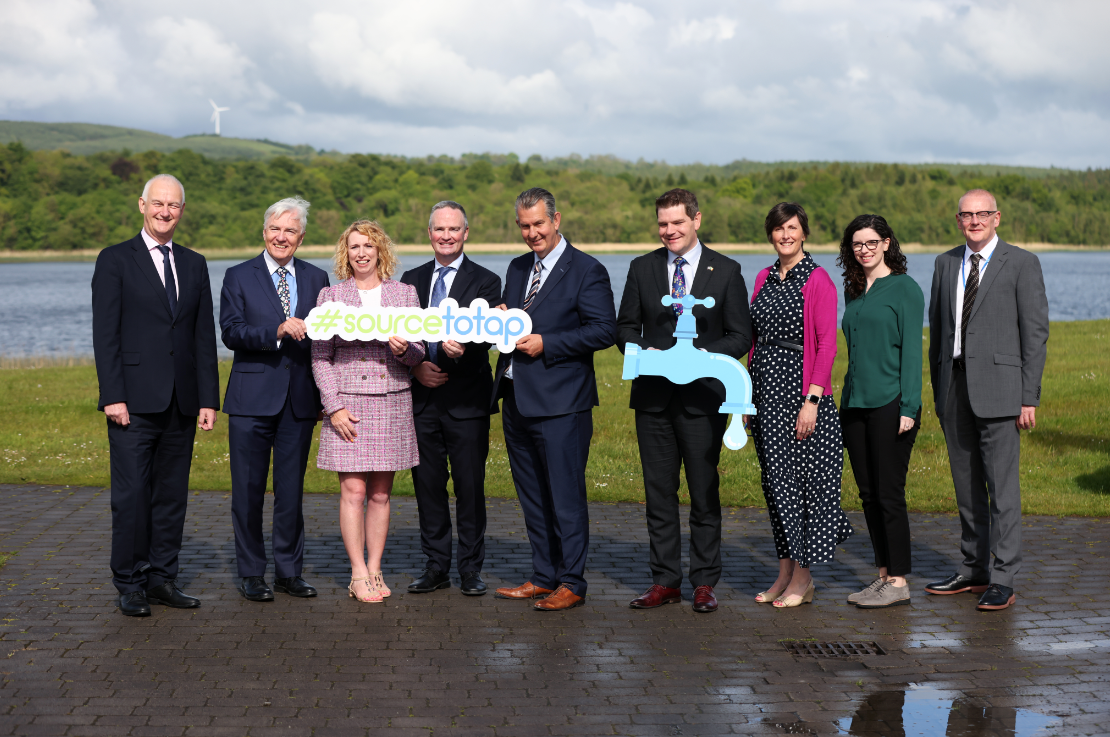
797,428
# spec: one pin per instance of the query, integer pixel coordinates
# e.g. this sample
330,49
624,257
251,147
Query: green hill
89,138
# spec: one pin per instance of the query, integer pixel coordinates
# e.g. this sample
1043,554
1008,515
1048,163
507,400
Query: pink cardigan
819,324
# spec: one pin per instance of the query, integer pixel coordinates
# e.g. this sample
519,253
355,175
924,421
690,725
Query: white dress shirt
965,269
448,277
156,256
693,257
548,263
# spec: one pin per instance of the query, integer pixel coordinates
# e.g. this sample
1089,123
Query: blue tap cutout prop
683,363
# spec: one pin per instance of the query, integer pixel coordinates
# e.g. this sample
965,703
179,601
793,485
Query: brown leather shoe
704,600
656,596
526,590
562,598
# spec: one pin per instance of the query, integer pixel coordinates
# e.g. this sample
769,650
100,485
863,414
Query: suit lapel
183,276
659,271
347,293
514,281
305,299
704,275
146,265
462,281
556,275
998,260
954,265
267,283
391,294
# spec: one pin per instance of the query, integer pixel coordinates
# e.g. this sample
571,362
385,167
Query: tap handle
688,301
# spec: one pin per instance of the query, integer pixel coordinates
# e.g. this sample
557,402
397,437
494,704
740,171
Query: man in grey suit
988,328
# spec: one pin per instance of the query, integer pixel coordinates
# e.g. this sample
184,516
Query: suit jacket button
364,378
171,353
286,367
362,358
383,376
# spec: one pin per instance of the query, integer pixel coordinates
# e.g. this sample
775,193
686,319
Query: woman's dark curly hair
855,281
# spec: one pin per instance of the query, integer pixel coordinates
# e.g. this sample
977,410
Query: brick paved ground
444,664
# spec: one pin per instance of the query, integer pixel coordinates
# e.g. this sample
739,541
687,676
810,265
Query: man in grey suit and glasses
988,328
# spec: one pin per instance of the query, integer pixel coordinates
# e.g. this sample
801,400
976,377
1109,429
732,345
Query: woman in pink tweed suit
368,433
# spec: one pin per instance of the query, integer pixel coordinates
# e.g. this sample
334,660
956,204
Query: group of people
386,406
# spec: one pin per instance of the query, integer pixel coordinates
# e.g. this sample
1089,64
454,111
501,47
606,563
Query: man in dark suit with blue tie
155,347
451,409
272,400
549,393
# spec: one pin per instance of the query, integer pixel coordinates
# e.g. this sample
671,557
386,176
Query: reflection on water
923,711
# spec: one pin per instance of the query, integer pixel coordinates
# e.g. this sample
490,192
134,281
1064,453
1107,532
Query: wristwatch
813,399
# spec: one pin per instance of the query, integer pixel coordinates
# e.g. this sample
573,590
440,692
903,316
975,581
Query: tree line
57,201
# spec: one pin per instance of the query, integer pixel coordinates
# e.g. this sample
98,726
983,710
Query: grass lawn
51,433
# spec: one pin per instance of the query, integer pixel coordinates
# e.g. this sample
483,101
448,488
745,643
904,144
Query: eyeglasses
869,245
982,215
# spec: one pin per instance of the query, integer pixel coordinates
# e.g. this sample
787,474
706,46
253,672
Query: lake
60,294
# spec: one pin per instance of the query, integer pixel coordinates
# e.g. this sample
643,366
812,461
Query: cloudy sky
1001,81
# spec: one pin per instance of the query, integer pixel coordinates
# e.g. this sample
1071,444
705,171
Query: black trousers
251,440
668,441
150,462
880,459
464,444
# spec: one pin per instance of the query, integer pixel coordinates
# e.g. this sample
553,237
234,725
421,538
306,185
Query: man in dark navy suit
272,400
155,345
451,409
549,390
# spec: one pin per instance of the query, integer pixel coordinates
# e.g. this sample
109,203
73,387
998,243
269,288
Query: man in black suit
680,425
154,340
450,406
272,401
550,391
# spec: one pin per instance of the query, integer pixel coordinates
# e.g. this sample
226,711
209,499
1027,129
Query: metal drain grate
832,649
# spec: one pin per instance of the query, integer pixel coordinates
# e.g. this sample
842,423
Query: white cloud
1011,81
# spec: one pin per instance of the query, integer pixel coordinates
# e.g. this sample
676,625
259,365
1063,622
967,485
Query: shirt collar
456,264
987,251
272,265
151,244
692,256
549,260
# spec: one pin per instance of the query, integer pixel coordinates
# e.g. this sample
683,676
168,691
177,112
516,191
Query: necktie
171,283
678,284
283,289
971,288
439,293
534,286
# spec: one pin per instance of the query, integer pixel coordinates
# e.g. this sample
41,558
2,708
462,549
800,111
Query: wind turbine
216,110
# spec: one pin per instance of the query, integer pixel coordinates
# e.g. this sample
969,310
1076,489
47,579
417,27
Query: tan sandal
794,600
768,597
374,597
378,582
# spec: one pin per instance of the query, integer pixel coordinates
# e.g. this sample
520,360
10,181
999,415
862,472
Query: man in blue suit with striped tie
549,393
272,400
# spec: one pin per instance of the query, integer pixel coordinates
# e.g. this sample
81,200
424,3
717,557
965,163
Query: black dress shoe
134,604
254,588
997,597
169,595
294,586
472,584
957,584
430,580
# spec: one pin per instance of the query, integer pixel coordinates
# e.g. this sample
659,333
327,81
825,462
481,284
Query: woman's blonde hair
387,256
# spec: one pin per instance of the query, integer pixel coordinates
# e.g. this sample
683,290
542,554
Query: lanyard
963,267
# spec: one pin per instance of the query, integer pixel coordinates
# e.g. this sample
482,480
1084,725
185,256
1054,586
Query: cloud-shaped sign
478,323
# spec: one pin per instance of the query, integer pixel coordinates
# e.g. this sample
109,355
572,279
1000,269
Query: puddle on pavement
924,711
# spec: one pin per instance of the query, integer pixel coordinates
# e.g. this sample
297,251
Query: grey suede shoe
886,595
871,587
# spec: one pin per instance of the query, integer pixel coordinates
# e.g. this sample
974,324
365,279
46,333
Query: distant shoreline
318,251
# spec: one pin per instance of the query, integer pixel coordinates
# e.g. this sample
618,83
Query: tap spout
683,363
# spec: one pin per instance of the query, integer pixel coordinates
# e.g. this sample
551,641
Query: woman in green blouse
880,409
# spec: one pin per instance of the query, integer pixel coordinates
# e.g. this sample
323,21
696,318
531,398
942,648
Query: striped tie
534,286
970,290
